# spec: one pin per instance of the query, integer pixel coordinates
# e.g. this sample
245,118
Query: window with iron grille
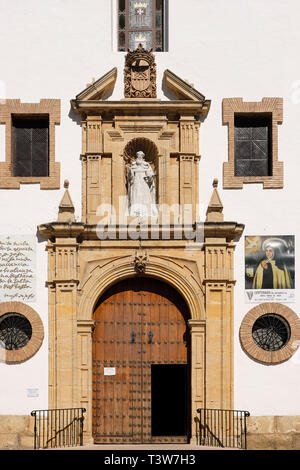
21,332
142,22
30,145
252,144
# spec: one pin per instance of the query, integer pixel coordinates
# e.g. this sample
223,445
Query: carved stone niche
140,74
145,145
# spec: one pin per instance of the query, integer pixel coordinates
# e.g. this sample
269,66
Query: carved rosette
140,74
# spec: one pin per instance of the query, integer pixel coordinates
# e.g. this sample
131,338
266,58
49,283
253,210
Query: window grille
15,331
252,141
30,145
271,332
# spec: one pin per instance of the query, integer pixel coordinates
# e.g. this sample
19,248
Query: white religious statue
141,188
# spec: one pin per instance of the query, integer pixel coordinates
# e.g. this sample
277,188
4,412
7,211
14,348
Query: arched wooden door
141,383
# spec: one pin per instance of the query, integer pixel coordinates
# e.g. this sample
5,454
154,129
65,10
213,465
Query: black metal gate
223,428
58,427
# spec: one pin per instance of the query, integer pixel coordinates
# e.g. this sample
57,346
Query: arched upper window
142,22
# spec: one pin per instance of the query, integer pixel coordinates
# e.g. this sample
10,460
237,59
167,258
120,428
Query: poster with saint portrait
270,268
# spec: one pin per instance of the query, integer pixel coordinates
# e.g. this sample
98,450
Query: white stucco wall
237,48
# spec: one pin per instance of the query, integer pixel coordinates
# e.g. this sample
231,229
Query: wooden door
139,324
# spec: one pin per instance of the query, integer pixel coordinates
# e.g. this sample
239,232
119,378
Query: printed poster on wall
270,268
18,268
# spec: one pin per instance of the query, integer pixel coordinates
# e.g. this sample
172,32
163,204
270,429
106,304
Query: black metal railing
223,428
58,427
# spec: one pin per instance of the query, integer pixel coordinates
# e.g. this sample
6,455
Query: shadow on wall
75,117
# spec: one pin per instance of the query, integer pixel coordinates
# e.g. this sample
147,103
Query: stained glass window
141,22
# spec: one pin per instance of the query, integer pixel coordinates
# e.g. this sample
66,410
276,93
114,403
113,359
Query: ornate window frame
254,351
30,349
273,106
11,107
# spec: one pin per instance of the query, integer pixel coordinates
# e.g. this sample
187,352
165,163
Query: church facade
148,244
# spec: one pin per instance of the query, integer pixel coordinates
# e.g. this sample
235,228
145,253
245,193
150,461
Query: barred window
21,332
30,145
15,331
252,145
142,22
252,142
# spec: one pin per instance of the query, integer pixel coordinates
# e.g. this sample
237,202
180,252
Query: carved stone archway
99,280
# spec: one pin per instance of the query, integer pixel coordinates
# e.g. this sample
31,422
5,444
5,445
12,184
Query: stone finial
214,211
66,210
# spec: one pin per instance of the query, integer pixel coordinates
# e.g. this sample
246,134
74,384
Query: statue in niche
141,188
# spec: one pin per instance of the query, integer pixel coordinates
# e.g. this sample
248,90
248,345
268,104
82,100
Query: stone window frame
30,349
232,106
12,107
258,354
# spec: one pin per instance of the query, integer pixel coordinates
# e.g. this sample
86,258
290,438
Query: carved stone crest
140,261
140,74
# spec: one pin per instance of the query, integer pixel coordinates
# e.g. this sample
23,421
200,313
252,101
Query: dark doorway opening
169,399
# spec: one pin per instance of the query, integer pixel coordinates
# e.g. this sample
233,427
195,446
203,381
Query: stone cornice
228,230
137,106
61,229
231,231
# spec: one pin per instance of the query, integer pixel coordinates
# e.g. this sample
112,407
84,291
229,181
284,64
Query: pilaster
62,283
198,345
85,379
219,285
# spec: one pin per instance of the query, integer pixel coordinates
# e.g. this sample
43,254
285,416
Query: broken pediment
99,88
181,88
140,85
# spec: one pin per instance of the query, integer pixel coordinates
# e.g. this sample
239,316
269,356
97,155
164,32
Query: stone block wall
273,432
16,432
